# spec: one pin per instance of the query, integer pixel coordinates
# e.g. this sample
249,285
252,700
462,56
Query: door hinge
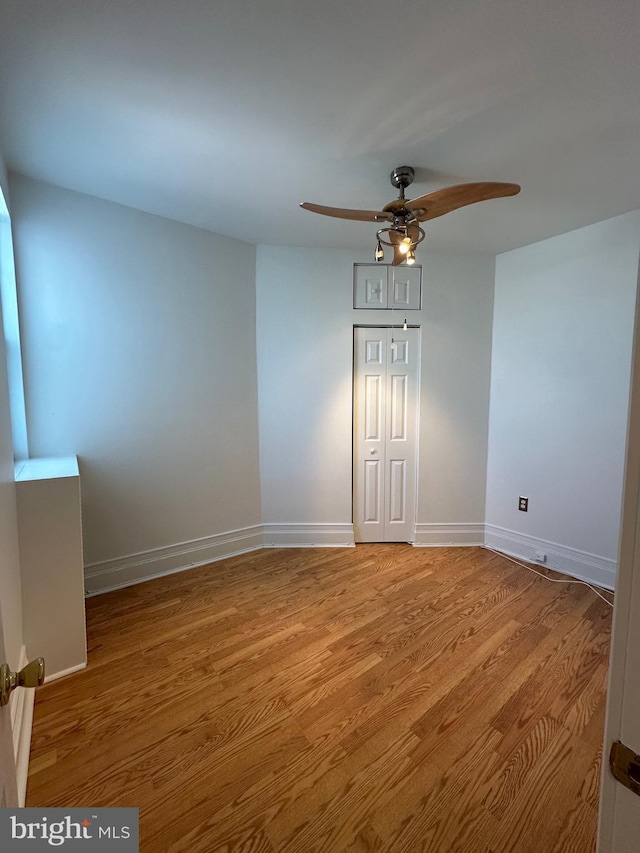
625,766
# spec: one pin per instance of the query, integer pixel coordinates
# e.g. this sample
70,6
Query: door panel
372,514
374,352
397,491
386,389
399,352
373,408
405,287
398,408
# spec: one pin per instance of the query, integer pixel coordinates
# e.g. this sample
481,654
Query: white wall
304,343
139,348
10,590
562,339
304,333
456,365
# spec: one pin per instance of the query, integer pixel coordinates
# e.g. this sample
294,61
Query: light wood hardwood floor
383,698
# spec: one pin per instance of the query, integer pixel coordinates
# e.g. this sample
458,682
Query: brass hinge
625,766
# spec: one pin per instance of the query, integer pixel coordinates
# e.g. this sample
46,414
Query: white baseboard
126,571
443,535
600,571
56,675
135,568
308,536
22,701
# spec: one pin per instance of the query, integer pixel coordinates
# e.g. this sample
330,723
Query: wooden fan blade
345,213
398,257
395,237
444,201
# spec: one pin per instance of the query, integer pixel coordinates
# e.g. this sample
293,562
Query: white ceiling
228,113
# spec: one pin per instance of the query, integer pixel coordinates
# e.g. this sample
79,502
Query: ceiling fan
404,214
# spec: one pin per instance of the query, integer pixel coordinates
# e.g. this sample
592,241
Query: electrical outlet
523,504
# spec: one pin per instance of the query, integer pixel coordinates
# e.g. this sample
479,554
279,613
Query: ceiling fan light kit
404,233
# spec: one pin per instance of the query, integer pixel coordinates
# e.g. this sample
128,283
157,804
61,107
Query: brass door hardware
625,766
32,675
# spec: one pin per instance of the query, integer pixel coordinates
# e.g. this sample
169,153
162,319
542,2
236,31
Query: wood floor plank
336,822
383,698
450,816
547,803
263,798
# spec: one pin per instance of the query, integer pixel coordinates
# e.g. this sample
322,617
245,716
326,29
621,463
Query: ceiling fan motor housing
402,176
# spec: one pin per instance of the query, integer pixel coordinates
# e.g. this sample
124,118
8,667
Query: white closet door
386,387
